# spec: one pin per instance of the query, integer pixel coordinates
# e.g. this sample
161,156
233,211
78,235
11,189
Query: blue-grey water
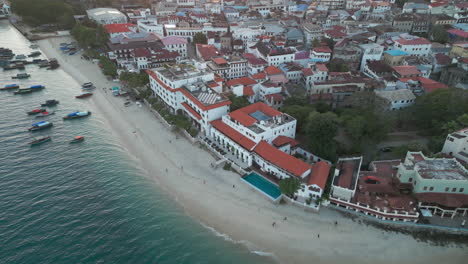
85,202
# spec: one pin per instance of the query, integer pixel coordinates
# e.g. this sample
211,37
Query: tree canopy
321,128
134,80
238,102
39,12
439,34
289,186
200,38
107,66
88,36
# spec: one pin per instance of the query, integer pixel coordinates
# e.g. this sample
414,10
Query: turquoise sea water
86,202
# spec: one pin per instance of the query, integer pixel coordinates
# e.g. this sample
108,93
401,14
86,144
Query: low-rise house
228,67
321,54
292,70
397,99
275,75
394,57
456,75
116,29
459,49
273,54
177,44
406,71
254,64
206,52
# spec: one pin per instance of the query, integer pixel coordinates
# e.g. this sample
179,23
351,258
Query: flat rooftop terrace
179,71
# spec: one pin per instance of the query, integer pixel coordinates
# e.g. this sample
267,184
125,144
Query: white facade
106,16
150,26
397,99
178,44
417,49
456,145
199,102
371,51
249,36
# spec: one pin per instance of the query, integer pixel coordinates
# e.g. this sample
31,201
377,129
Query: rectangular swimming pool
263,185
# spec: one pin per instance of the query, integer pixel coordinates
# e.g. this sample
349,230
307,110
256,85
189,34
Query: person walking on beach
285,218
273,225
318,235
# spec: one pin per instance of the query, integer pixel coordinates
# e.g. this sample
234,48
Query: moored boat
21,76
44,114
24,91
84,95
76,115
37,111
37,87
10,87
77,139
39,141
53,66
34,46
40,125
52,102
87,84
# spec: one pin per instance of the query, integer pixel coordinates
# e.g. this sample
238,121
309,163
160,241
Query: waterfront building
185,89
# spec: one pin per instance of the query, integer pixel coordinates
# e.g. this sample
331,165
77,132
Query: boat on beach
21,76
40,125
33,46
76,115
10,87
37,111
87,84
40,141
24,91
84,95
13,66
77,139
52,102
35,54
44,114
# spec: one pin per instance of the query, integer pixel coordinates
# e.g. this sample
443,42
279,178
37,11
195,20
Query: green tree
299,112
40,12
439,34
107,66
238,102
321,130
199,38
295,100
315,42
134,80
289,186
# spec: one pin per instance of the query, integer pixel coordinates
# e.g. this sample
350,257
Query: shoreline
239,213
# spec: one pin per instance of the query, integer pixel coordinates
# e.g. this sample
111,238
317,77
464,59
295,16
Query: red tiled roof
259,76
219,61
233,134
276,97
191,110
248,91
319,174
141,52
272,70
416,41
335,33
119,28
281,159
207,51
458,32
322,49
427,84
243,80
283,140
242,115
406,70
307,71
321,67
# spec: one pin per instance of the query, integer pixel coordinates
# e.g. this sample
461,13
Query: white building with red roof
174,43
116,29
314,185
413,45
321,54
183,87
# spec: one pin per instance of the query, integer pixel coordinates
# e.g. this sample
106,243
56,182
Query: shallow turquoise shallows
263,184
85,203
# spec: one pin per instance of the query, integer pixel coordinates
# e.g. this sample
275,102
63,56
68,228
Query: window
431,188
425,188
462,189
410,179
447,189
454,189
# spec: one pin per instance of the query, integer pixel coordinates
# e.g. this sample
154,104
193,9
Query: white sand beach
244,215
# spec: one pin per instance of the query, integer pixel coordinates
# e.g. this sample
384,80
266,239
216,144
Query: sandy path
208,195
